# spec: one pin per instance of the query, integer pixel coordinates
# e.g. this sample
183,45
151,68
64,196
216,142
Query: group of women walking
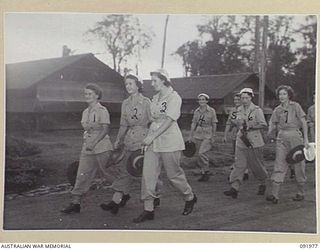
148,125
151,126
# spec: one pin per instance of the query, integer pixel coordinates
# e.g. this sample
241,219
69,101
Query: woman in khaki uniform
164,144
96,148
287,118
231,127
203,130
135,118
250,120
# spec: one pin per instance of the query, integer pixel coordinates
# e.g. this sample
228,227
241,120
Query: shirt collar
138,97
251,107
289,103
96,106
170,91
199,110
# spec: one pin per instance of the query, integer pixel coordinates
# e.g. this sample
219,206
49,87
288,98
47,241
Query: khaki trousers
248,158
285,142
203,147
88,166
123,181
151,171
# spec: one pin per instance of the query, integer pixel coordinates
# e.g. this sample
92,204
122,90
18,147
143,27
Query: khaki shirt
288,118
253,117
311,116
92,121
168,106
204,122
232,122
135,114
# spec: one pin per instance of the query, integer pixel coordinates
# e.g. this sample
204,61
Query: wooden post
164,41
262,79
257,46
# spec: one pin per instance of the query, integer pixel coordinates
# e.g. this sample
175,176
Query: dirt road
213,211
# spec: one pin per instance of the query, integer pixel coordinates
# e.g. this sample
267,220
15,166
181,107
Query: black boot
292,173
188,207
145,215
272,198
204,177
298,197
72,208
156,202
111,206
246,176
124,200
262,190
232,192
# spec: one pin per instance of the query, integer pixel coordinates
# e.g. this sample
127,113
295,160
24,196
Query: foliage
123,36
223,52
230,48
17,147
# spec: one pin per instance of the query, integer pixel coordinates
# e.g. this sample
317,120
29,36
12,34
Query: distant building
220,88
48,93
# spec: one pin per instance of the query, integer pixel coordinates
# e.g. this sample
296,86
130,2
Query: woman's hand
306,143
148,140
117,144
90,146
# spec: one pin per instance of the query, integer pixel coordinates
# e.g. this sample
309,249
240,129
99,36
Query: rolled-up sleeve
104,117
299,111
174,108
274,117
260,120
214,117
194,118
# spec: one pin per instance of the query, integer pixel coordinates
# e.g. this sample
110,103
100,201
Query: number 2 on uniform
163,107
135,112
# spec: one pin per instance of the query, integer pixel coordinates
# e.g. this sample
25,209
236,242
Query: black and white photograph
160,122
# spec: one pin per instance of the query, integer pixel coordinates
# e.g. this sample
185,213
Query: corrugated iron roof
217,86
70,91
25,74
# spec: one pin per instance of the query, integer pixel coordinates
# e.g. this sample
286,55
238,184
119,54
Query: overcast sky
31,36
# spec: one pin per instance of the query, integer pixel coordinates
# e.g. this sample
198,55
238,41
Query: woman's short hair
137,81
287,88
95,88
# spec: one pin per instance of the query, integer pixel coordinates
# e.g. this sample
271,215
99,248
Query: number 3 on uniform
163,107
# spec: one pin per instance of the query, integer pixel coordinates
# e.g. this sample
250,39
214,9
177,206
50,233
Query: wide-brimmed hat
72,171
190,149
295,155
135,163
310,152
116,156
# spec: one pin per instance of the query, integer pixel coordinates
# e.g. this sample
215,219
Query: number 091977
308,246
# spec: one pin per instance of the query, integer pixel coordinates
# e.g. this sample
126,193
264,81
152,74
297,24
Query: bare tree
123,37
